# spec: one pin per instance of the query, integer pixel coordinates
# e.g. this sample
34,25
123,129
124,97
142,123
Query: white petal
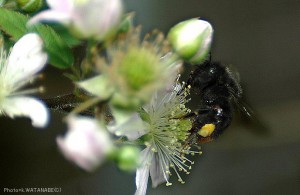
51,16
61,5
156,172
26,58
133,128
142,174
96,18
28,107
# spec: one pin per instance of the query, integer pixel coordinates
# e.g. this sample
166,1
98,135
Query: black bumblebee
217,88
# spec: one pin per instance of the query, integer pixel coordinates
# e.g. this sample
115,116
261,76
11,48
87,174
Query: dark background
260,39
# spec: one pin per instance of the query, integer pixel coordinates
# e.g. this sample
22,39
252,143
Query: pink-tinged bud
86,19
86,143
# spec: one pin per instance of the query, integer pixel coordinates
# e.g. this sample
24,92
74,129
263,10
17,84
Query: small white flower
87,143
85,18
165,132
25,60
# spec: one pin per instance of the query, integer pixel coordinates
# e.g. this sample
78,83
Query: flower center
139,67
169,131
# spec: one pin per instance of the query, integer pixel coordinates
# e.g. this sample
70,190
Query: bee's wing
232,71
249,117
243,107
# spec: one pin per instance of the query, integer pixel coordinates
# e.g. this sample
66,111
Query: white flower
25,60
85,18
165,133
87,143
133,70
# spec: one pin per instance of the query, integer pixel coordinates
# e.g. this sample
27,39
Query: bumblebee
218,89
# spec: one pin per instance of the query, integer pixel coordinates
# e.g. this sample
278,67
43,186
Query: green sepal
98,86
13,23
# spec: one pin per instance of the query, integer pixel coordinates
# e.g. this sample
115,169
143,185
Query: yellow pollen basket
206,130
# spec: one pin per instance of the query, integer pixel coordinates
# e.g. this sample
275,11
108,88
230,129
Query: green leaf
65,35
14,24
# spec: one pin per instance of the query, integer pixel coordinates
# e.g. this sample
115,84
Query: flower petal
26,58
97,18
133,128
51,15
61,5
142,174
28,107
156,172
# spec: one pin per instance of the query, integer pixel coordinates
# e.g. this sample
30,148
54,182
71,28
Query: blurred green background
260,39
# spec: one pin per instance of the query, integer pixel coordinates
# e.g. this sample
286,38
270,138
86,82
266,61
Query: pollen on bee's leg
206,130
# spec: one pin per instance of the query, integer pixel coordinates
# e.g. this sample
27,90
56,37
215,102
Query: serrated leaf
14,24
65,35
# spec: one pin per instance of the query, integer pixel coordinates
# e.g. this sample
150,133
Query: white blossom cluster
135,81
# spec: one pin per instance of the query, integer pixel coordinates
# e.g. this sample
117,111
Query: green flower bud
128,158
30,5
191,39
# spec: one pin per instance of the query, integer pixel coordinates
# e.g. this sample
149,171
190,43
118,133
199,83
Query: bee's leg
190,141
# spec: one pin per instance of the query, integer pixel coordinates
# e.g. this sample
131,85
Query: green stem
91,46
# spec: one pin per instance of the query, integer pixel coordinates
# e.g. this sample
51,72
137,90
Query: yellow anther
168,184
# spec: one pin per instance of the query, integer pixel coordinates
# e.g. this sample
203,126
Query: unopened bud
128,158
191,39
86,19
